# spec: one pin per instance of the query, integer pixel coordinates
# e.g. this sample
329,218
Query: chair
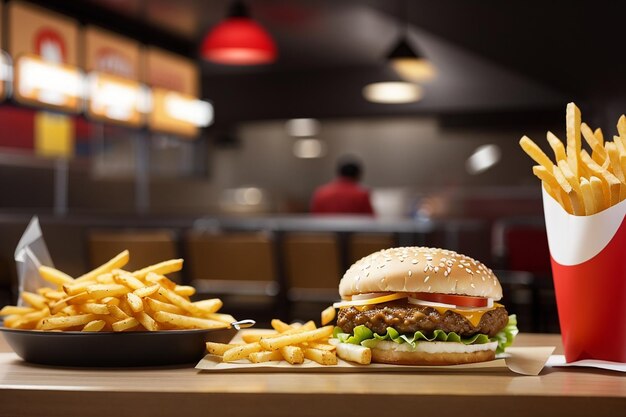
363,244
241,263
146,247
521,249
312,266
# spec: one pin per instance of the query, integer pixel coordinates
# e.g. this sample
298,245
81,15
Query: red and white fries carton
589,268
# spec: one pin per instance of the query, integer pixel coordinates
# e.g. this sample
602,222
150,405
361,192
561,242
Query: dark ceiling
492,55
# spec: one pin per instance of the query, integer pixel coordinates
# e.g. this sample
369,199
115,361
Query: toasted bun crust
423,358
420,269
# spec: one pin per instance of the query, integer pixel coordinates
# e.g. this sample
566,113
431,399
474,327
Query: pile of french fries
583,184
292,343
112,299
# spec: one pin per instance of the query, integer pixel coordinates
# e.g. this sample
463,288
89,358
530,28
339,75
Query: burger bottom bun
383,354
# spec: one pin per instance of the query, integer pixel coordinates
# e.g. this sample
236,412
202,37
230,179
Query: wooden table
32,390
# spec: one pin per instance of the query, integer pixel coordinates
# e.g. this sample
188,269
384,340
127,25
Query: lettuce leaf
362,335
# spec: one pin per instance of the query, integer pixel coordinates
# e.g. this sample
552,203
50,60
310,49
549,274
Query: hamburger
423,306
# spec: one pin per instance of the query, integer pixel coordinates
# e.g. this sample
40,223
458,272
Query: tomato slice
458,300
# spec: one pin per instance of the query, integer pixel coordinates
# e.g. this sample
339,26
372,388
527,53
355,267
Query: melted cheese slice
472,315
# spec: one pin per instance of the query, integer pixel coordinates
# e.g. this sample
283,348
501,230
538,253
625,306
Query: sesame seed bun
420,269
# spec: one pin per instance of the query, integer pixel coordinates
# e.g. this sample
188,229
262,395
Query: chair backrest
363,244
146,247
522,245
246,256
312,260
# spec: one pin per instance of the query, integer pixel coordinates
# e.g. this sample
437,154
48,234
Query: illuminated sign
178,114
117,99
38,82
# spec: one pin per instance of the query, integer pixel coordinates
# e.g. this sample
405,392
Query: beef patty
409,318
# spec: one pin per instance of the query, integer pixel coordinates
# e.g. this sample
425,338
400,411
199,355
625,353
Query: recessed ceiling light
302,127
483,158
392,92
308,148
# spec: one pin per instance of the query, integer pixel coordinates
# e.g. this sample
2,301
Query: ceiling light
408,61
309,148
302,127
238,40
392,92
483,158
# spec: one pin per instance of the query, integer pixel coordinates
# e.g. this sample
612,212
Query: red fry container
588,256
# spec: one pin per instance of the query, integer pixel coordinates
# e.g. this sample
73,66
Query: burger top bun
420,269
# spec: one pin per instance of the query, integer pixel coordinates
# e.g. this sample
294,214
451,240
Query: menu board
45,54
109,53
173,79
178,114
116,99
38,82
173,72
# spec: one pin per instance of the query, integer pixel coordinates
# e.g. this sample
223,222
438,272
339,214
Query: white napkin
559,360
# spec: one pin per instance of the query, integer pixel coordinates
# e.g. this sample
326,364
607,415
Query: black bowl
109,349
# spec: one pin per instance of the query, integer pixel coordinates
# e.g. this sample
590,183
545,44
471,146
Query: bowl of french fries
113,317
584,193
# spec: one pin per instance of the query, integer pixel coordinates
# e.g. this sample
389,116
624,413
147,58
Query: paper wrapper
589,269
30,254
521,360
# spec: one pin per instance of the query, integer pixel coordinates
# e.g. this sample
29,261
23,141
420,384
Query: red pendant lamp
238,40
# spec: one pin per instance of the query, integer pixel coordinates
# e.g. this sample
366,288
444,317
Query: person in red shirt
343,195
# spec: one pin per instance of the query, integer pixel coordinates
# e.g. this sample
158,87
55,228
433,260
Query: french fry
535,153
593,141
273,343
64,322
266,356
621,126
588,197
147,321
598,194
127,279
552,187
599,136
572,123
185,290
146,291
354,353
54,276
126,324
186,322
134,302
208,306
117,262
241,352
226,318
611,185
280,326
320,346
163,268
255,336
292,354
35,300
117,312
328,315
93,308
78,287
219,348
557,147
98,291
94,326
323,357
156,305
8,310
574,198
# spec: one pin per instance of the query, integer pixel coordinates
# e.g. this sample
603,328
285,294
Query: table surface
34,390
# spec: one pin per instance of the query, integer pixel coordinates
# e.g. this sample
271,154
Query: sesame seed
410,273
414,261
426,279
472,285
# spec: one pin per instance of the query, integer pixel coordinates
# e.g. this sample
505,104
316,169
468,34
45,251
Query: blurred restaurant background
200,129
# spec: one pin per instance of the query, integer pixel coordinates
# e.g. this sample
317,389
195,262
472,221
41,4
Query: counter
32,390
